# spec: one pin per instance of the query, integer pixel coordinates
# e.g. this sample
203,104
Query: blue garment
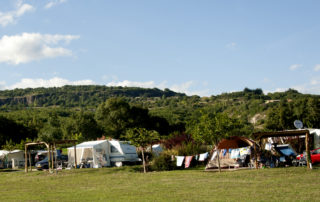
225,152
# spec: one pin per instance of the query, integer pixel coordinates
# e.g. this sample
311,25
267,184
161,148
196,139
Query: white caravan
102,153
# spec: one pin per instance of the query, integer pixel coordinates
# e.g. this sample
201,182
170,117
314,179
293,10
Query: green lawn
125,184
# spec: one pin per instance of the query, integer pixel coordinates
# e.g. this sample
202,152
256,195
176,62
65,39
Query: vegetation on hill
89,112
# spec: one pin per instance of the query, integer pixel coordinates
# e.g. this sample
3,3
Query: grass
126,184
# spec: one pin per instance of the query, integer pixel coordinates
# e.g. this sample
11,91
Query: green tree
113,117
141,137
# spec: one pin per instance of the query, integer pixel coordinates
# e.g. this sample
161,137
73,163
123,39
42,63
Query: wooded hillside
88,112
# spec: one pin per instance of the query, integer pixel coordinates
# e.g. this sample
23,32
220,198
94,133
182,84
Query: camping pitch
102,153
235,152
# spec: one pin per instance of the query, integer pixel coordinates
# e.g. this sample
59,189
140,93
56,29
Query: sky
204,47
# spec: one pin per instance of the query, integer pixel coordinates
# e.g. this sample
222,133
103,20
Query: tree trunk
143,161
218,153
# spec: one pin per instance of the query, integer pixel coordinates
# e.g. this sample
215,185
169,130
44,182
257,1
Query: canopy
235,142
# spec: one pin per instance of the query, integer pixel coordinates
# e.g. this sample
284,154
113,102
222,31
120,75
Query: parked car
61,160
315,156
40,156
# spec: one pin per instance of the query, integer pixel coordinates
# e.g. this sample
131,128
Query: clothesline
188,159
233,153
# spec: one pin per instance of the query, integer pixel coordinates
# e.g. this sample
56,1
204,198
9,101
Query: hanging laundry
187,161
268,146
196,157
235,153
172,158
179,160
203,156
230,150
225,152
245,151
213,155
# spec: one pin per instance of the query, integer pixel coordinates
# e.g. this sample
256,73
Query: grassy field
125,184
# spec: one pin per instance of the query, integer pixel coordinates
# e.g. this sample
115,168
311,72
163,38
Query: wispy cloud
53,3
295,67
11,17
53,82
231,46
28,47
316,67
186,87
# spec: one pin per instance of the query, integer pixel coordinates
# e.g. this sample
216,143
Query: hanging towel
203,156
268,146
245,151
213,155
196,157
179,160
187,161
235,153
230,150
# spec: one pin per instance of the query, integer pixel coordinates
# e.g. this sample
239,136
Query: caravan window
114,149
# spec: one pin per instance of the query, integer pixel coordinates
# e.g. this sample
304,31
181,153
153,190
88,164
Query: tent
234,152
14,159
94,153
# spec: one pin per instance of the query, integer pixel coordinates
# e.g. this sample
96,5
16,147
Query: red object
315,156
187,161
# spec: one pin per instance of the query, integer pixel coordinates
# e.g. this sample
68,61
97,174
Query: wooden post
255,156
75,156
25,158
55,156
30,161
49,157
143,161
308,156
52,154
218,153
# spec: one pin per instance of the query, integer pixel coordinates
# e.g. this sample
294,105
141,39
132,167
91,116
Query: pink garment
187,161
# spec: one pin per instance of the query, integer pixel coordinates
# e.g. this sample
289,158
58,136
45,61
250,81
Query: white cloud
147,84
231,46
186,87
28,47
295,66
317,67
54,82
11,17
53,3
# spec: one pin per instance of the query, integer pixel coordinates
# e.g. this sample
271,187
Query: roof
235,142
89,144
284,133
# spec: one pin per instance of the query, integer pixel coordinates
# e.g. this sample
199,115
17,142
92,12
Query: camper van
102,153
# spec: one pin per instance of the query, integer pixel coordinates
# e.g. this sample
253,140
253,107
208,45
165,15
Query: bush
163,162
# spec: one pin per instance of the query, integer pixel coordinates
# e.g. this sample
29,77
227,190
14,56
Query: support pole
308,157
30,161
49,157
218,153
25,158
255,156
55,156
75,155
52,154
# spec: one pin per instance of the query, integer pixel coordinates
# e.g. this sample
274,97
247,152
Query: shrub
163,162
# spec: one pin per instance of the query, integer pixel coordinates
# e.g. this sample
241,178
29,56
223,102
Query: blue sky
203,47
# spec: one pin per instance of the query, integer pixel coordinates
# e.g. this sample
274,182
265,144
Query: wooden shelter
51,147
287,133
221,157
